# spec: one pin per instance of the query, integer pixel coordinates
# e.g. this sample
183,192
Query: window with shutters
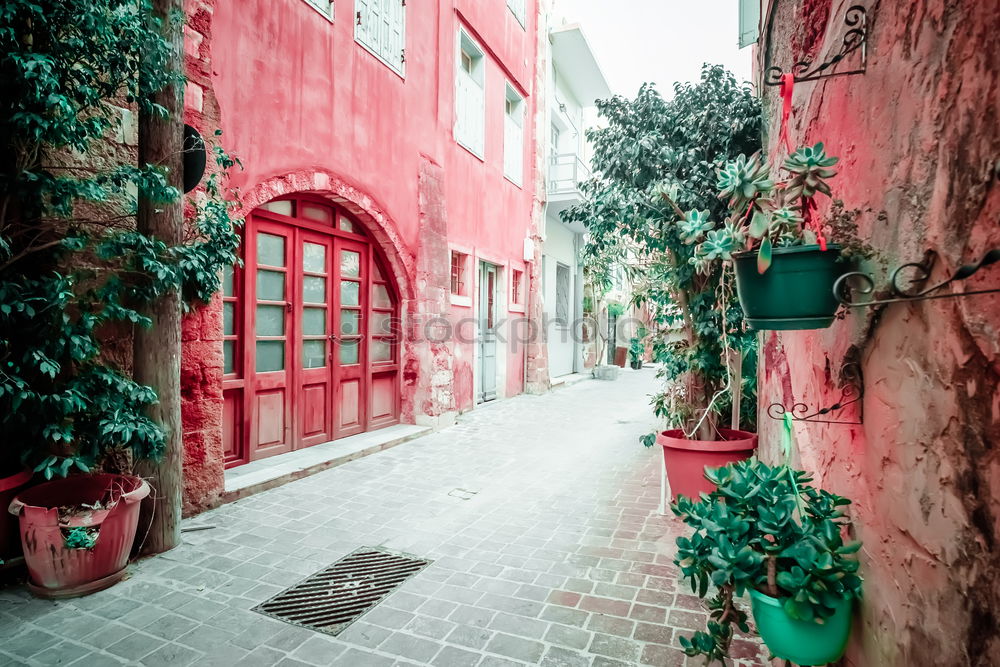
380,27
470,112
324,7
517,8
513,136
749,21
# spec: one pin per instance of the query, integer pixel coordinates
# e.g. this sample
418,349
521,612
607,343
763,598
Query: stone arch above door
329,186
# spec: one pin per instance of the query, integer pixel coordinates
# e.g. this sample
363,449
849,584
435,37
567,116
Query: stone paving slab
539,514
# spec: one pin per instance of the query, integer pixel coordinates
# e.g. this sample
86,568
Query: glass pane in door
270,355
313,353
270,249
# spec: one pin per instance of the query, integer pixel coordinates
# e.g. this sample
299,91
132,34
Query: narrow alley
539,514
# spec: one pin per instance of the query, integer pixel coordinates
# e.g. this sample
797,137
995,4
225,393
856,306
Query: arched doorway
311,332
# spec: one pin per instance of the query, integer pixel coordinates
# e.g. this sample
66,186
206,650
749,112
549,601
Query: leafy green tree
74,273
654,159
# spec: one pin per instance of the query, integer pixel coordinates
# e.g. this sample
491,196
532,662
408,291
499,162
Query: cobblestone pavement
553,553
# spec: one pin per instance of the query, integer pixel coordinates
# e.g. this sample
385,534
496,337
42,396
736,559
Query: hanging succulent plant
743,179
694,225
810,167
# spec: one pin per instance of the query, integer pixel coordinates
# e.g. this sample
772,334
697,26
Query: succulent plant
810,167
718,244
694,225
744,178
765,528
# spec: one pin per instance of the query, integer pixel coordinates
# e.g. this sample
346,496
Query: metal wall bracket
902,288
852,392
855,39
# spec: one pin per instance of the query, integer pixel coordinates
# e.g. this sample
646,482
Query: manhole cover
335,597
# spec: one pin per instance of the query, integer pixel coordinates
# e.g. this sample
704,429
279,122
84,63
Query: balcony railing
566,172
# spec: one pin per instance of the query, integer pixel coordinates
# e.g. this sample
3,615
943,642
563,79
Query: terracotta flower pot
686,460
9,486
58,572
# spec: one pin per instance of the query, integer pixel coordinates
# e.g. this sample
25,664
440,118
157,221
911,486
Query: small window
470,112
324,7
380,27
517,287
459,273
513,136
517,8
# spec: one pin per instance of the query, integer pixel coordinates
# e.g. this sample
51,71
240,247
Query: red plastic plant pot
9,486
686,460
57,571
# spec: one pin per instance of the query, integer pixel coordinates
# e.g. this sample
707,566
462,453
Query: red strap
787,84
810,221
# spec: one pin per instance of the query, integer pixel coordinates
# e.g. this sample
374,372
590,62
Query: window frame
466,286
522,16
466,45
518,288
401,69
315,4
511,95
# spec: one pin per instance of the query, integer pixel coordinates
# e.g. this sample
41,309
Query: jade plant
763,214
764,528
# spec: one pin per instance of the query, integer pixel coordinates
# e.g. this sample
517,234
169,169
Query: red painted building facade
389,189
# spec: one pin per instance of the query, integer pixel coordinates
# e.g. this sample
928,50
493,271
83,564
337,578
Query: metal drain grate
335,597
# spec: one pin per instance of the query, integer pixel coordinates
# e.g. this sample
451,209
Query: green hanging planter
795,293
802,642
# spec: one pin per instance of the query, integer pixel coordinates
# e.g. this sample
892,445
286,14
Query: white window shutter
397,40
381,26
469,112
362,20
749,21
513,147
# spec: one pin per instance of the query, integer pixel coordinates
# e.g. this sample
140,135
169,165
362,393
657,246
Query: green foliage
810,167
80,537
634,349
652,157
774,215
765,528
75,275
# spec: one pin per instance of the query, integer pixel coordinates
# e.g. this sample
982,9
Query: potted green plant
635,352
649,146
785,269
768,532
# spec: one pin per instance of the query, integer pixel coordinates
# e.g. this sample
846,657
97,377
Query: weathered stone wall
919,140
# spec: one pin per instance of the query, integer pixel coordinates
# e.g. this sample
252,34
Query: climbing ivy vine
75,275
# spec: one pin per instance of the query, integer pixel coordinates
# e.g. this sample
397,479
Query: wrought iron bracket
853,389
902,288
855,39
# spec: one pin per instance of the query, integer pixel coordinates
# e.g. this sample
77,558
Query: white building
575,82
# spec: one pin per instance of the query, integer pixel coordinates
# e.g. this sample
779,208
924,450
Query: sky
662,41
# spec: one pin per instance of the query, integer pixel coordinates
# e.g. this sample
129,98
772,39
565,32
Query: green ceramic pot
796,292
802,642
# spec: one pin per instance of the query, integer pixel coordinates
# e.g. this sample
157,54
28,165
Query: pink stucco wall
919,139
306,108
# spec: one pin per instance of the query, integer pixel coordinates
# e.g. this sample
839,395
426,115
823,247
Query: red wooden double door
311,344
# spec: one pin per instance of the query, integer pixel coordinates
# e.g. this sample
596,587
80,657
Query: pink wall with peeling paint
919,138
299,100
